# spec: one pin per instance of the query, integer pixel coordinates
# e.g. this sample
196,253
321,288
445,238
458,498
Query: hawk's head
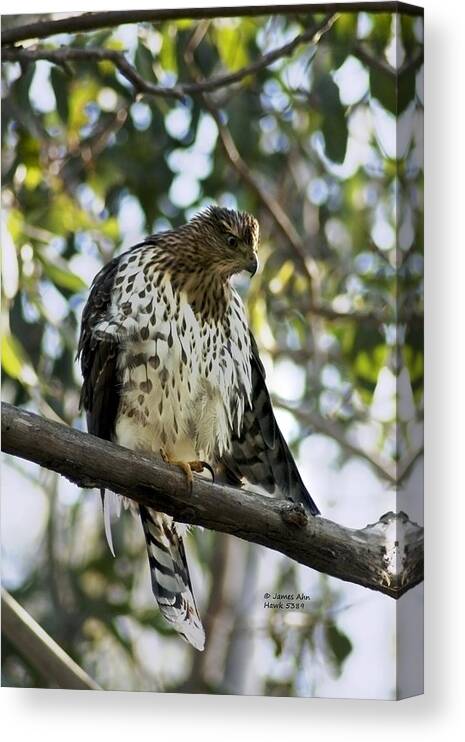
226,240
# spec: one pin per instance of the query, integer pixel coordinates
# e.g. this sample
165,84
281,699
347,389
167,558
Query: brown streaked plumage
169,364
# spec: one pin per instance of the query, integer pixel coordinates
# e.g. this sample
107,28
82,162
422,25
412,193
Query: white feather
111,512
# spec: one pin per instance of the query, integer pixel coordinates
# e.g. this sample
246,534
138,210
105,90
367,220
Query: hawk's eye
232,241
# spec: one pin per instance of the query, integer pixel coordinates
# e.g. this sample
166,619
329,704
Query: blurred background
324,147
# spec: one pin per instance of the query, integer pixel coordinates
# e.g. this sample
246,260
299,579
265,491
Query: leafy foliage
89,167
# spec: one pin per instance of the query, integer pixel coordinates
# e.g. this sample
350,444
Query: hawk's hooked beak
252,266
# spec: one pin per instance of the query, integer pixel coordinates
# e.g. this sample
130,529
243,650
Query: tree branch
392,471
267,199
110,19
378,63
39,649
270,203
313,34
66,54
333,430
368,316
386,556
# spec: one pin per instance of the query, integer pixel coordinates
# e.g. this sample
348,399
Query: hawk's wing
260,454
100,389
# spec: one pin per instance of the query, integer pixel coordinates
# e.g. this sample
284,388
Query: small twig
404,466
394,472
269,202
381,65
278,214
313,34
333,430
96,54
377,63
412,63
200,87
370,316
86,151
40,650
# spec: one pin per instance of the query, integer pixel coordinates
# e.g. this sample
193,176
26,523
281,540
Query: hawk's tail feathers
169,572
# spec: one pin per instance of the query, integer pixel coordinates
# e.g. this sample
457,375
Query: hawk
170,366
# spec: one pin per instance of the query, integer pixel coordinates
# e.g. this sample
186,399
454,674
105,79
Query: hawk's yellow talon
188,467
196,466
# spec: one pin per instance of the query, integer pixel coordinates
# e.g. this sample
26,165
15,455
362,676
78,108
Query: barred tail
171,582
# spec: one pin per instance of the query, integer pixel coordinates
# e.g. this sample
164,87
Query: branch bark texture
109,19
386,556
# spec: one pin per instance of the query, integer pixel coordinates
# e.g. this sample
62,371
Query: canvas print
212,350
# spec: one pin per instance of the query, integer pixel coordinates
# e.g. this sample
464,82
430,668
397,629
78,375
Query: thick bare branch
362,556
40,650
110,19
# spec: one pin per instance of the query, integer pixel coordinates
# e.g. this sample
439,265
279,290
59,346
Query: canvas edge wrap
409,495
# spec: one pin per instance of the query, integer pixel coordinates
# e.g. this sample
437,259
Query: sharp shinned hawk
170,366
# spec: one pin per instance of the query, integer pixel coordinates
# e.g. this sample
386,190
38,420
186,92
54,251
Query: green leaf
144,62
415,363
407,34
15,224
344,32
61,276
339,643
334,126
22,86
367,364
405,90
15,362
381,31
59,82
392,91
168,59
28,150
65,215
383,88
232,54
82,92
99,38
110,228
